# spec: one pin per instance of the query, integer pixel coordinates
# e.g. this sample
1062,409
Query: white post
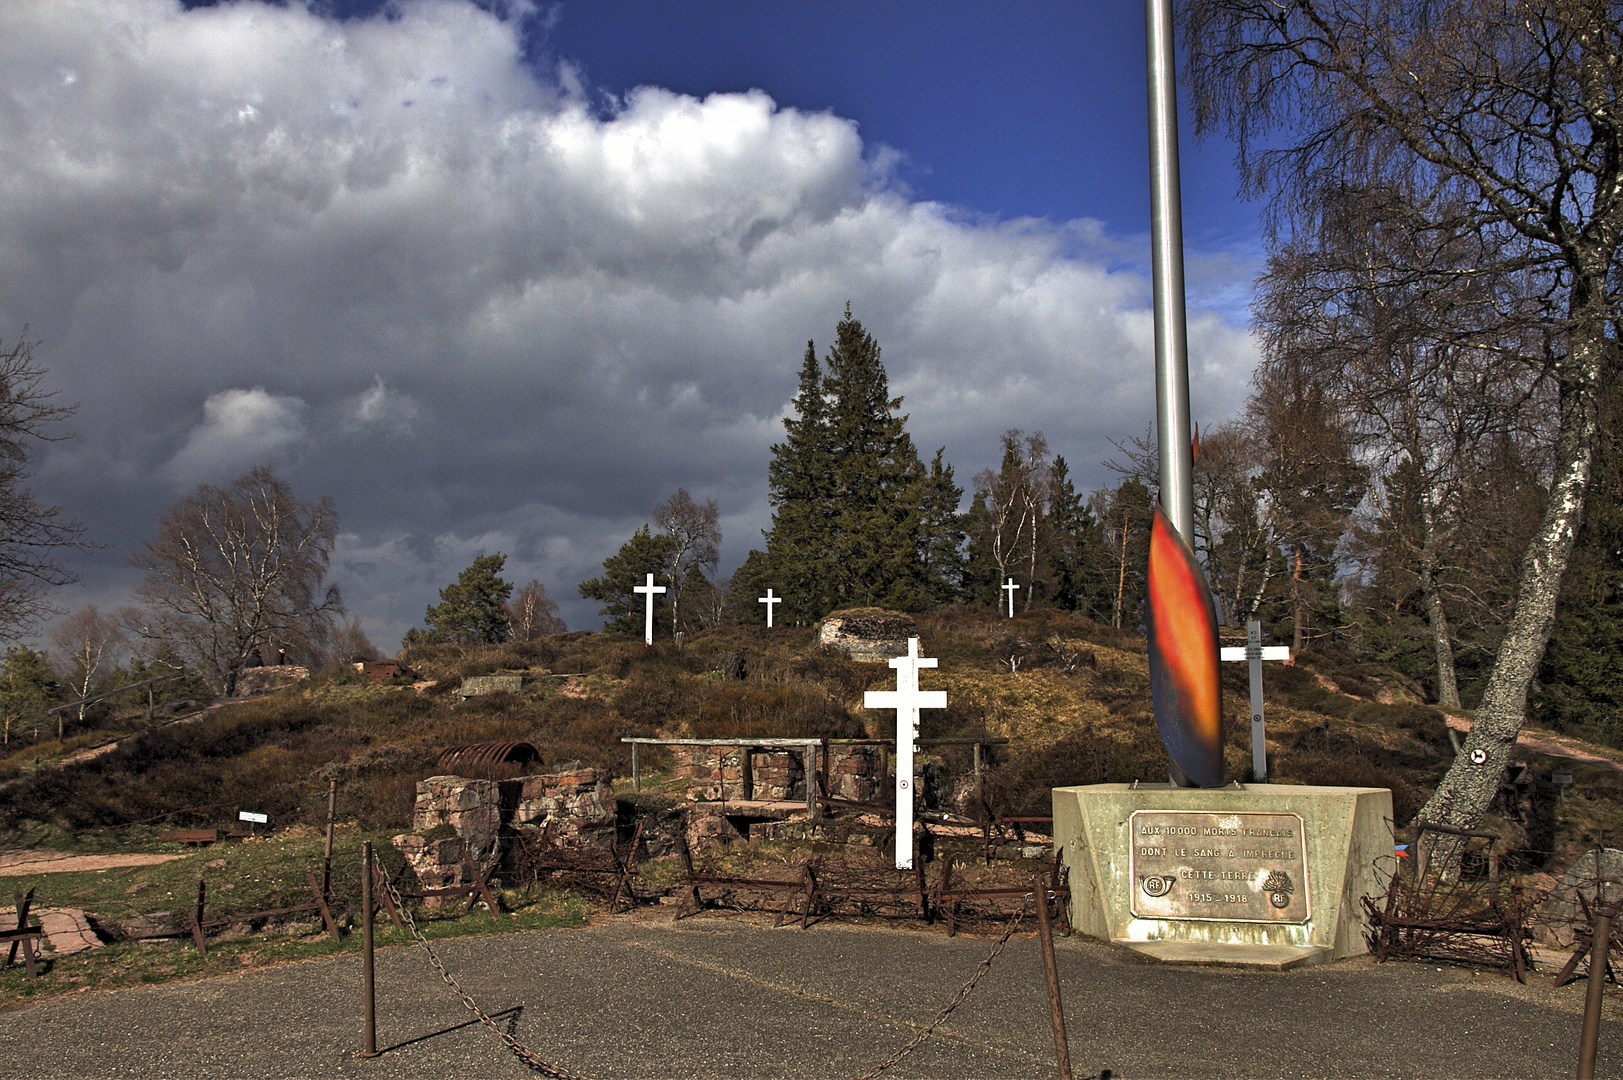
1255,652
907,699
649,590
769,600
1009,588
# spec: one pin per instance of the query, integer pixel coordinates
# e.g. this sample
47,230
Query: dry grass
1071,696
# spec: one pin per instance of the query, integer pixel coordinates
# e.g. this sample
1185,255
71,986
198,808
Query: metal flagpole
1166,239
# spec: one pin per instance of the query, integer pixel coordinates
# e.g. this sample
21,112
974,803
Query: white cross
649,590
769,600
1009,588
907,699
1256,652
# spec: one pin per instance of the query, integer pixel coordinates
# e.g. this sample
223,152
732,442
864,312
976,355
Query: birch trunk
1473,779
1448,689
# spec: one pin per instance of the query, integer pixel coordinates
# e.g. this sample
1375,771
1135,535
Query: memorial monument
1194,870
907,699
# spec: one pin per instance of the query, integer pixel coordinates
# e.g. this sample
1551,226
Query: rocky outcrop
872,635
479,685
262,680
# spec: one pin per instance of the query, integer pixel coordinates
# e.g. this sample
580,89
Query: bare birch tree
33,536
1422,368
238,568
1016,498
1492,118
533,614
695,533
90,642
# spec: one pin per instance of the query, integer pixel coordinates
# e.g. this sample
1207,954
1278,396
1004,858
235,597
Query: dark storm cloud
386,259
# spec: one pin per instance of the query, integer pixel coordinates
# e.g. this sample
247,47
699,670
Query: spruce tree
1075,549
26,687
981,581
749,582
941,537
800,483
846,487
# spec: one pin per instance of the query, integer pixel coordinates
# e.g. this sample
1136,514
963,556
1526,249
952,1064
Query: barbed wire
539,1064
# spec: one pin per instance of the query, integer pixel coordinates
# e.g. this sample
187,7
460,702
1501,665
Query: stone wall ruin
456,818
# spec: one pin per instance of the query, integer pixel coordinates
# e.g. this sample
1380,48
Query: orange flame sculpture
1183,659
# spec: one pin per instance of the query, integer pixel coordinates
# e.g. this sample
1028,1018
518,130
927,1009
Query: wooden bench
195,837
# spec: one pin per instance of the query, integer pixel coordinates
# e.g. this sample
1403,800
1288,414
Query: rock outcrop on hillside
870,634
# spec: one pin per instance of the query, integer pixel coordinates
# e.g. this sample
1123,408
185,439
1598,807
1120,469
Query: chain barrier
519,1050
558,1072
957,999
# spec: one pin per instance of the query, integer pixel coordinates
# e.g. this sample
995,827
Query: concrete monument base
1268,875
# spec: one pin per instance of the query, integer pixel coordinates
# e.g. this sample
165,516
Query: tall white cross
649,590
907,699
1009,588
1256,652
769,600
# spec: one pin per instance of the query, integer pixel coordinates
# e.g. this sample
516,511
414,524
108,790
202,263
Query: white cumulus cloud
469,304
240,429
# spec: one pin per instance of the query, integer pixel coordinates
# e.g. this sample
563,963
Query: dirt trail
1548,742
15,862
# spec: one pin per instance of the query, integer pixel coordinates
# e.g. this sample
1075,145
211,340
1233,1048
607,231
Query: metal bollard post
1598,949
368,987
1051,972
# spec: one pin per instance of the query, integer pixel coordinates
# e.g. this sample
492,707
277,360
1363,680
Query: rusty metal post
1051,972
1599,947
326,851
980,794
368,986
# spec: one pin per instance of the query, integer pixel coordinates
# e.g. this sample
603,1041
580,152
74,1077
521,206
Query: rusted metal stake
1589,1040
394,914
196,919
368,987
1051,972
326,851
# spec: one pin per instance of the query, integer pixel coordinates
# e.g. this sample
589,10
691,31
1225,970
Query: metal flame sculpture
1182,627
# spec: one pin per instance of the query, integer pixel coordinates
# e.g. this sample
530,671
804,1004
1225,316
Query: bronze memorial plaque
1232,867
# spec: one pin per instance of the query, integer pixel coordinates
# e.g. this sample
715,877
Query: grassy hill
1071,696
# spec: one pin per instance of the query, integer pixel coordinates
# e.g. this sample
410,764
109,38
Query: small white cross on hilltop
649,590
907,699
1009,588
769,600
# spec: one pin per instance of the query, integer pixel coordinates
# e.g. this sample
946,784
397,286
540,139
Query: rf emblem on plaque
1240,867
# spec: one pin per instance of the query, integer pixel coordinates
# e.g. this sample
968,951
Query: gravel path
713,997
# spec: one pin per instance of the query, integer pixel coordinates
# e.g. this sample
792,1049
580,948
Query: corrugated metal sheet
488,754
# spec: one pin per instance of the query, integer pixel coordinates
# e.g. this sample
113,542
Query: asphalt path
709,997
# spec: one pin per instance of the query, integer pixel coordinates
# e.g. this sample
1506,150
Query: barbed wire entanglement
537,1063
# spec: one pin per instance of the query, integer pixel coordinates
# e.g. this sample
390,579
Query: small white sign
249,815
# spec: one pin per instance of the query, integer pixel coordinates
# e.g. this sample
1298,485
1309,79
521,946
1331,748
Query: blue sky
502,279
1015,109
